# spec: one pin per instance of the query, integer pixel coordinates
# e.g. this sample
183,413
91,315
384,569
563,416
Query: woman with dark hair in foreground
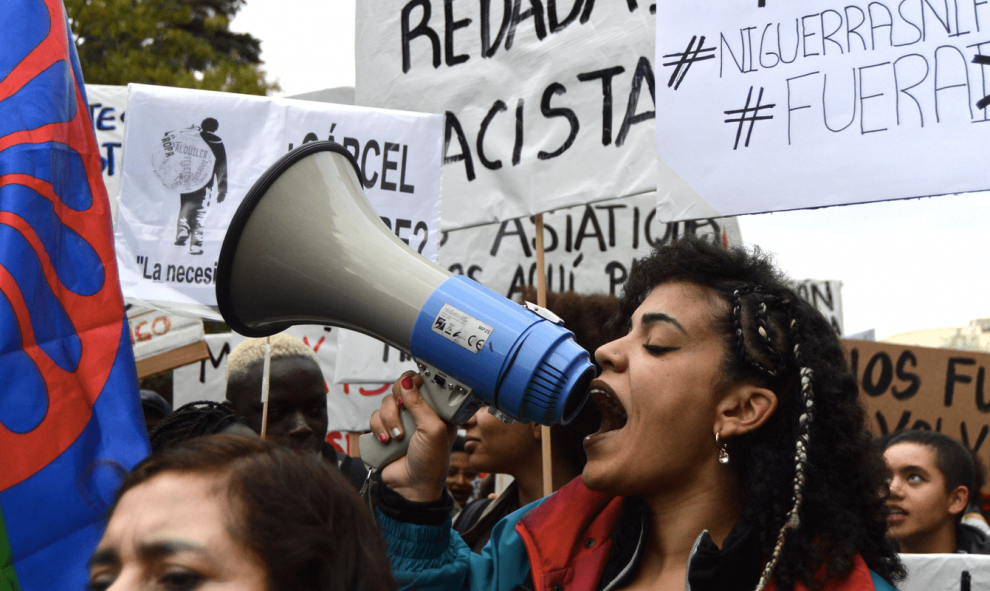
732,454
231,512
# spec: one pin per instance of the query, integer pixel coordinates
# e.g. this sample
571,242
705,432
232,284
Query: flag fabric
70,416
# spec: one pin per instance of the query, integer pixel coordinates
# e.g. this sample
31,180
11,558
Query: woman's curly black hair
195,419
812,484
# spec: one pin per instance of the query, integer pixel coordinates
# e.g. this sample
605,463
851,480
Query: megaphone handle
376,454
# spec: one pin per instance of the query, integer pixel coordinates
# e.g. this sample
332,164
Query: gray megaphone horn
305,247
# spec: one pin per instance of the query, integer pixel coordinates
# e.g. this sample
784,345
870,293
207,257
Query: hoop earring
723,455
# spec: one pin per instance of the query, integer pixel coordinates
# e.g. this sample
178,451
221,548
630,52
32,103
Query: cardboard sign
349,407
826,297
807,104
193,155
547,105
945,572
108,110
589,249
163,341
907,387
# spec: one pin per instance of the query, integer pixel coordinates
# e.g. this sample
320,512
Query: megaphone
305,247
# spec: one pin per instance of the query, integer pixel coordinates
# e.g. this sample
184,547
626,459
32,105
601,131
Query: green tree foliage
183,43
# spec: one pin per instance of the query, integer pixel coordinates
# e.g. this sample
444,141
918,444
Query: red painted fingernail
383,438
398,401
407,383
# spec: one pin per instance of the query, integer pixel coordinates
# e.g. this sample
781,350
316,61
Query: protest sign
107,111
163,341
363,360
907,387
349,407
807,104
945,572
589,249
193,155
546,106
826,297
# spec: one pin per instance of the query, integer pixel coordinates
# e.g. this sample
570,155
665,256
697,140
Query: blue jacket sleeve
879,584
428,557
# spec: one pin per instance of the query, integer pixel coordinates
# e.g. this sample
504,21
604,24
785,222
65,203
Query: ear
958,500
744,408
537,430
227,403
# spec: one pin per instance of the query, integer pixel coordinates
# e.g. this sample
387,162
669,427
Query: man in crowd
297,398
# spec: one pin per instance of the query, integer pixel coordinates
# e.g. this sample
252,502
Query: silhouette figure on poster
194,205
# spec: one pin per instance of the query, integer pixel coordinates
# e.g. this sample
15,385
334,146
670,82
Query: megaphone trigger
453,402
376,454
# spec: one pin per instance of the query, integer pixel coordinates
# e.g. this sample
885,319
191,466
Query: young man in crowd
460,476
933,478
297,398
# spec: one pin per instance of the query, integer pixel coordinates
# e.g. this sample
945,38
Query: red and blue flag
70,417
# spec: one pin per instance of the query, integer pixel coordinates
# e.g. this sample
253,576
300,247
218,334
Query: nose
895,488
473,421
610,356
298,429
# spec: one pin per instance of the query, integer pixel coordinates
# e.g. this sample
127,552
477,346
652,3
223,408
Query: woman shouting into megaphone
732,454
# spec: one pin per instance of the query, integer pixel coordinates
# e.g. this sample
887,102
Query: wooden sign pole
541,300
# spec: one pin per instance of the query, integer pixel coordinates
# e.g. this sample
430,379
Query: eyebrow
149,550
913,469
654,317
102,557
166,547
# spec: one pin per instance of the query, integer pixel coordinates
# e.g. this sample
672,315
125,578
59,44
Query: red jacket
569,538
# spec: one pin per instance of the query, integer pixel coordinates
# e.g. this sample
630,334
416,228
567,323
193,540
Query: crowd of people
724,446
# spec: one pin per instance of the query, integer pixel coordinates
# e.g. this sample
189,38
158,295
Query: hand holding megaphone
422,473
306,247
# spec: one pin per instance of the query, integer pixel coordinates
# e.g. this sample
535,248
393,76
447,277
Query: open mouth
460,495
896,513
613,414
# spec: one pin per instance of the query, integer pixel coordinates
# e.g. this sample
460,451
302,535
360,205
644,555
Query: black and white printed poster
193,155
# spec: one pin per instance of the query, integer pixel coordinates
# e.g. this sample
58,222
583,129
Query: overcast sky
905,265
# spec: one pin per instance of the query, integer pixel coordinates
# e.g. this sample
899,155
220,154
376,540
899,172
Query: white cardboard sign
945,572
363,360
108,111
547,105
154,332
808,104
193,155
826,297
589,248
349,406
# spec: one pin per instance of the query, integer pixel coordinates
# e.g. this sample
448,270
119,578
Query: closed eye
181,580
658,350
